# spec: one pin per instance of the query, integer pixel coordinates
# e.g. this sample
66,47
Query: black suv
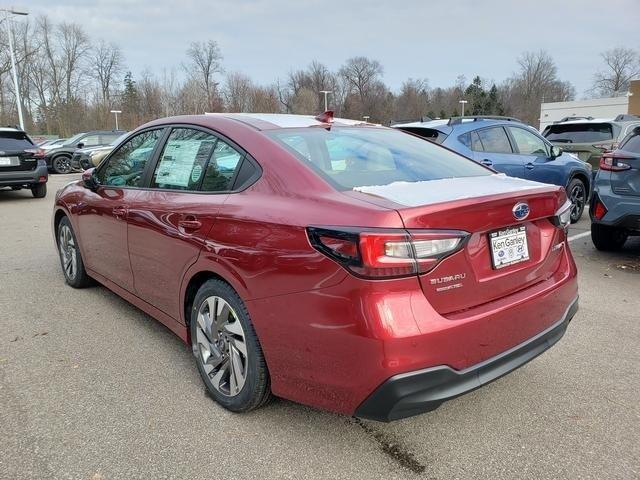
59,159
19,168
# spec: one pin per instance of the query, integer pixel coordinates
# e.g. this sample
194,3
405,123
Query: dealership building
596,107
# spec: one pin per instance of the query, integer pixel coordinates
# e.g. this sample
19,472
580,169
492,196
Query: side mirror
80,145
556,151
89,179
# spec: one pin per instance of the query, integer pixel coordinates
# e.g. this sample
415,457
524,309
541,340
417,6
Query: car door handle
487,162
529,166
190,223
119,212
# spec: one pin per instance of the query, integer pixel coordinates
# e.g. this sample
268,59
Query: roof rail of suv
475,118
424,118
572,118
626,118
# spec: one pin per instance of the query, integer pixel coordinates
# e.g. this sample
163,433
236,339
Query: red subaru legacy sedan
339,264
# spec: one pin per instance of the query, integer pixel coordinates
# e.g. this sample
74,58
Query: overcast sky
432,39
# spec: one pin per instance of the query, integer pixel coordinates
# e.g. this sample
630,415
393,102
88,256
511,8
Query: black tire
78,278
61,164
577,193
256,390
607,238
39,190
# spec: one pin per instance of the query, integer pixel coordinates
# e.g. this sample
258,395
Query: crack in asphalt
391,447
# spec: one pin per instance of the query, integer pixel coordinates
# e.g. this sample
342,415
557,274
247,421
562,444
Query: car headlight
562,217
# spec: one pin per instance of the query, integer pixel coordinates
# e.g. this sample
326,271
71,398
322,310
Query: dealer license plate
509,246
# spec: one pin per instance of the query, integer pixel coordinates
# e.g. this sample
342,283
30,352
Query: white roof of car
9,129
285,120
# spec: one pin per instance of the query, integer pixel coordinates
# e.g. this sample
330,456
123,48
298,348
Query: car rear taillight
35,152
613,162
386,253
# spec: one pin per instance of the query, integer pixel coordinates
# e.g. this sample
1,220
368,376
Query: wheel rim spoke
222,349
68,252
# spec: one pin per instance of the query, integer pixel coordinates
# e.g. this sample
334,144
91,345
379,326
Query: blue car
615,205
509,146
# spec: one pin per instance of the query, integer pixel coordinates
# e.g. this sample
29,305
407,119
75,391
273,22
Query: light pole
116,112
326,92
463,102
7,12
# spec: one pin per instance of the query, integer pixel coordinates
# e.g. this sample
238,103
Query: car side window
125,166
221,168
476,144
184,159
91,141
494,140
528,143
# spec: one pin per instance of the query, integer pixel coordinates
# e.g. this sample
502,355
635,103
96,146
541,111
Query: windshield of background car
73,141
14,141
352,157
579,132
119,139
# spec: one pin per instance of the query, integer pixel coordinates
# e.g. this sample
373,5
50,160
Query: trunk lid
480,206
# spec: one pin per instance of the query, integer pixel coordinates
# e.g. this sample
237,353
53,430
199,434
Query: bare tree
361,73
74,49
106,68
204,63
237,92
536,82
413,100
622,66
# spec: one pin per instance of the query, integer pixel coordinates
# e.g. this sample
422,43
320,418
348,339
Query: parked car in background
85,158
52,143
509,146
615,206
19,168
589,137
58,159
344,265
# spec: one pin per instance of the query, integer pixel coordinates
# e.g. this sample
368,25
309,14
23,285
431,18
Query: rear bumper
420,391
623,211
24,177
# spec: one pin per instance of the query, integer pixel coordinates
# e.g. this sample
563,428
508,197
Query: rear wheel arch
196,280
583,178
58,216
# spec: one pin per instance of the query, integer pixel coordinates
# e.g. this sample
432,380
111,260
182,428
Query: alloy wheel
578,199
221,346
62,164
68,252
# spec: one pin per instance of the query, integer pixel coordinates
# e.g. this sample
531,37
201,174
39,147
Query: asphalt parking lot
92,388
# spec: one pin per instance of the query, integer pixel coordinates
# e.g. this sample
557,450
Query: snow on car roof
284,120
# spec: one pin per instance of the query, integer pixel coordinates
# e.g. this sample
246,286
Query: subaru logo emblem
521,210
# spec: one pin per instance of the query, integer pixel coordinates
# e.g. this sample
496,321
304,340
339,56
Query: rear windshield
632,143
362,156
579,133
14,141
